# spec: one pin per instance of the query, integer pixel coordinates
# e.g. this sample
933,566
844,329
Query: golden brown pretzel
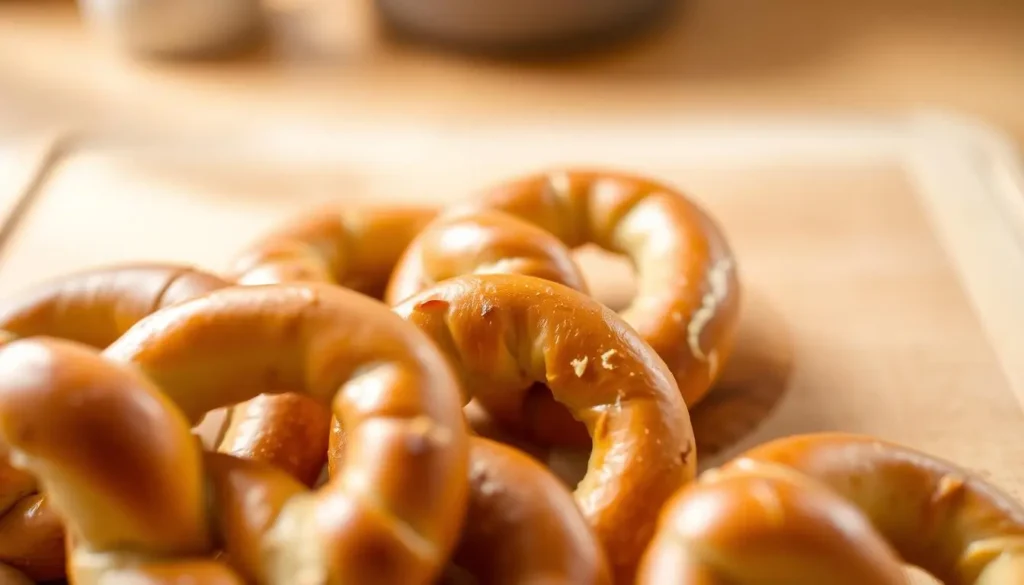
487,241
93,307
760,525
687,301
393,513
354,248
505,333
522,525
96,307
937,516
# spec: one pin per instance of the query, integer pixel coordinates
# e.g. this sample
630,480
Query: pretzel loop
687,301
393,513
505,333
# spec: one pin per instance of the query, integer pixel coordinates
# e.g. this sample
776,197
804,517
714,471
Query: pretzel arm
353,248
467,241
97,306
522,526
63,411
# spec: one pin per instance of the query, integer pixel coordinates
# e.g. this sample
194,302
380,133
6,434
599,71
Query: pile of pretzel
361,339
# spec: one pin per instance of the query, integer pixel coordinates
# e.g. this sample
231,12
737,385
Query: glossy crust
395,510
486,241
522,525
765,525
63,412
353,248
93,307
688,294
935,515
96,307
466,241
505,333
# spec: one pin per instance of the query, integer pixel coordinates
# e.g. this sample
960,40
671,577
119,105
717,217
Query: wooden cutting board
882,260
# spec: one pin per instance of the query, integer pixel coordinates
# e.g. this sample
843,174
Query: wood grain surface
856,316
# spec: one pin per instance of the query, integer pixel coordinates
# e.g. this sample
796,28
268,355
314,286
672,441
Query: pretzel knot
356,249
504,334
391,516
837,508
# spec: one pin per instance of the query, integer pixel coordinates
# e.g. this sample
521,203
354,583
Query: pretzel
97,306
505,333
393,513
937,516
522,525
93,307
466,241
688,294
356,249
934,515
759,525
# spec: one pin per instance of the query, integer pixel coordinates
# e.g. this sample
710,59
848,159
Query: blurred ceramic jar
174,28
517,24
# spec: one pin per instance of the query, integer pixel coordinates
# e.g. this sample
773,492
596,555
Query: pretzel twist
356,249
393,513
934,515
505,333
93,307
687,301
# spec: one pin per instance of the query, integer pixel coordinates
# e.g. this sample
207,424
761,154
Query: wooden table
928,327
712,56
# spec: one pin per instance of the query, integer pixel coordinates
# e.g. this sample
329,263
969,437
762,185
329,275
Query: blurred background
433,61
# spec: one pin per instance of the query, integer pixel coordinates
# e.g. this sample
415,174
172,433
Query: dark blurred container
518,25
